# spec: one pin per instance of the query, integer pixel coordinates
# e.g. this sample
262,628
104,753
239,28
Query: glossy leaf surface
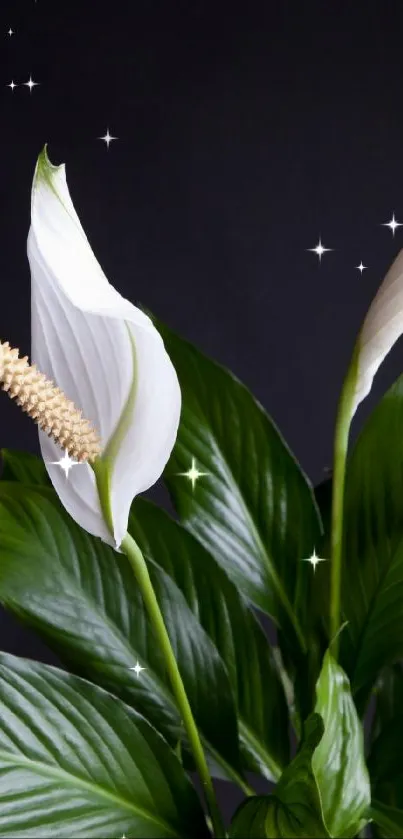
294,809
82,598
232,626
76,761
339,762
373,546
254,508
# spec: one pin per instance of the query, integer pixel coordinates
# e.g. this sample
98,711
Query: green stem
138,564
342,430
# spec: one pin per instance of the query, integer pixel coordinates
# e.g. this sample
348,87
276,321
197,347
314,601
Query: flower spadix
105,355
47,405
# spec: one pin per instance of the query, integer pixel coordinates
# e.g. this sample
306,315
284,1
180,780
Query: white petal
381,329
83,336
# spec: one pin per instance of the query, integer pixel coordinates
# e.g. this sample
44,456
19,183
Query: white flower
382,327
107,357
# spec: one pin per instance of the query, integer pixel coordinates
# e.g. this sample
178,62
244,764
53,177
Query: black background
245,133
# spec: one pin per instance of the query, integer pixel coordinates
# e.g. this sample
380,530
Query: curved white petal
104,353
382,327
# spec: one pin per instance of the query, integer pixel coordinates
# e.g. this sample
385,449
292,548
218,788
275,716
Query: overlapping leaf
294,809
373,544
254,509
339,762
224,615
23,467
76,761
384,762
82,598
388,820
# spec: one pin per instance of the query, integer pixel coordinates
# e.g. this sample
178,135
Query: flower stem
342,431
138,564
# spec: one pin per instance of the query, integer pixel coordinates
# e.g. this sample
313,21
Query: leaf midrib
256,535
70,779
126,645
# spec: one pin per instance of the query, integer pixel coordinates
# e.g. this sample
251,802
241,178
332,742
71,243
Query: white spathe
104,353
382,327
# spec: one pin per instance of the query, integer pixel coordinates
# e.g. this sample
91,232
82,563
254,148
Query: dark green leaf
254,510
388,692
82,598
76,761
385,761
373,550
294,809
388,819
339,762
23,467
231,625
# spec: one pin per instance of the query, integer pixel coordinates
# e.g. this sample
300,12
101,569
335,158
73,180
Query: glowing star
30,83
314,560
361,267
107,138
319,249
392,224
65,463
137,669
10,32
12,85
193,474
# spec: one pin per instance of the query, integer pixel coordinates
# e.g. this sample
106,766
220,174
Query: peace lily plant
164,667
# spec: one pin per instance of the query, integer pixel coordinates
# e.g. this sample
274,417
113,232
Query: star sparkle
314,560
10,32
30,83
65,463
361,267
319,249
137,669
393,224
12,85
107,138
193,474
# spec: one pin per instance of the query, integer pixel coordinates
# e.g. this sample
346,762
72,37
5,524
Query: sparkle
137,669
107,138
12,85
193,474
65,463
10,32
314,560
361,267
392,224
30,83
319,249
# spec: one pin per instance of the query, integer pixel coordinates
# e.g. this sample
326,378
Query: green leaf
82,598
23,467
373,548
233,628
388,819
388,692
75,761
294,809
384,761
339,762
254,510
